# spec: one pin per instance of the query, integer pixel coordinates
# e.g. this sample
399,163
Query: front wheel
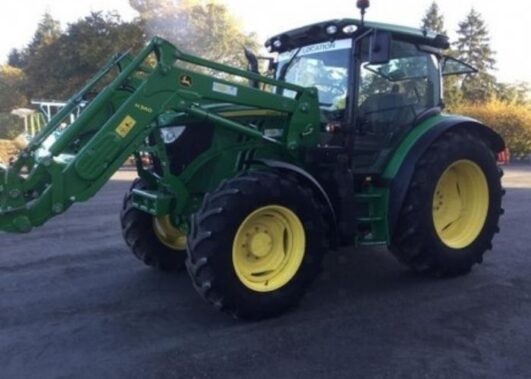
451,211
256,245
153,240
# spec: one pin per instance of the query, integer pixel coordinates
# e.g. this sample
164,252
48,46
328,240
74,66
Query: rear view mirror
380,47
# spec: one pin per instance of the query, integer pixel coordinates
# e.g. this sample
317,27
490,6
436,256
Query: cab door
391,96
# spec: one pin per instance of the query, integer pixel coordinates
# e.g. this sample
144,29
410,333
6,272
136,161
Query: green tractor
248,179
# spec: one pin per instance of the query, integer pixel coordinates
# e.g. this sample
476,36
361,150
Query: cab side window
391,95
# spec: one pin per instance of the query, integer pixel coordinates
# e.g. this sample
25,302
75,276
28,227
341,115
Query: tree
10,127
433,19
16,58
201,27
58,69
12,82
48,31
473,46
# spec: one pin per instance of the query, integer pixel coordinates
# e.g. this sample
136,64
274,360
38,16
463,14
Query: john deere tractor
248,179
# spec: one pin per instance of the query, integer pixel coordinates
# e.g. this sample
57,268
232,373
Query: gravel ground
75,303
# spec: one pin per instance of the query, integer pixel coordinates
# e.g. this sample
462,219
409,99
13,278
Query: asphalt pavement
74,303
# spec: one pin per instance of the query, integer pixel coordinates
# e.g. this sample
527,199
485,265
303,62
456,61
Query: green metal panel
407,143
377,198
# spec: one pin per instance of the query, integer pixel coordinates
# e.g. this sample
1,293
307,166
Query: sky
507,20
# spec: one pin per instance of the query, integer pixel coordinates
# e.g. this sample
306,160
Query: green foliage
16,58
12,82
512,121
433,19
453,96
473,47
10,126
48,31
56,62
60,68
517,93
204,28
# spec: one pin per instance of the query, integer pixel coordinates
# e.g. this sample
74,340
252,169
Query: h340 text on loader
250,182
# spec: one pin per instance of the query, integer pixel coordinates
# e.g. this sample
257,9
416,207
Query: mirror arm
252,65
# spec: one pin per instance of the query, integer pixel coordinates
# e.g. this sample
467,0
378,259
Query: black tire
416,241
139,234
215,225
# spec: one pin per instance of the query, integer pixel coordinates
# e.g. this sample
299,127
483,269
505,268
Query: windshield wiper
284,69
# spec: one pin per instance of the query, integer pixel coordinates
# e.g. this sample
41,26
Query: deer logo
186,80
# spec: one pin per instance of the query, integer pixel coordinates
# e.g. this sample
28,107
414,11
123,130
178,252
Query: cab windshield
322,65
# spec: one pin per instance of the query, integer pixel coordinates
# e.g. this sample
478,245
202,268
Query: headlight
331,29
349,29
170,135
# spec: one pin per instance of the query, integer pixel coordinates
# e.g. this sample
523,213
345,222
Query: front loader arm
61,167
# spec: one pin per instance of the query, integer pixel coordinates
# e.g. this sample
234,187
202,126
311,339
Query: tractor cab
375,81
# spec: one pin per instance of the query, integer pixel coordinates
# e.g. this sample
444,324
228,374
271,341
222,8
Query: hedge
511,121
10,126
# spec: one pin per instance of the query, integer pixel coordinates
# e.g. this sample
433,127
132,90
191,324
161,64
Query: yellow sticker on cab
127,124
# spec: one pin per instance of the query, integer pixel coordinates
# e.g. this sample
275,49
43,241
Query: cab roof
316,33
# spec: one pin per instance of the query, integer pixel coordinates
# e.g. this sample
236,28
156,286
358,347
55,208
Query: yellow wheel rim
460,204
268,248
168,234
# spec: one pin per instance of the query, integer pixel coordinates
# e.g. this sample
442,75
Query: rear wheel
452,208
256,245
153,240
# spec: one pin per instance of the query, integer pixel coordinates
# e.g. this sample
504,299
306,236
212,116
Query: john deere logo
186,81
